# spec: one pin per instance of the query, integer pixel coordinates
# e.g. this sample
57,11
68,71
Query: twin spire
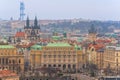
35,26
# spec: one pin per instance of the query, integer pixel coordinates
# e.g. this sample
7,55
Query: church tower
27,27
32,31
36,27
92,35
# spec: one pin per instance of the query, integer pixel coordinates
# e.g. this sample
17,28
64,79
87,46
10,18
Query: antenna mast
22,8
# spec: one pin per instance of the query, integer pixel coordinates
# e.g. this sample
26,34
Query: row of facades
59,55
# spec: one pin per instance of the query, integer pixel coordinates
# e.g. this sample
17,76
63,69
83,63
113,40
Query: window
117,54
69,56
59,56
6,60
64,56
44,56
19,61
59,65
13,61
74,56
49,56
117,60
9,61
59,60
92,49
54,56
54,65
69,60
54,60
2,60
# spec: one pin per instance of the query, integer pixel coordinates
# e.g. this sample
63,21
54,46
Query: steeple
92,29
27,23
92,33
36,23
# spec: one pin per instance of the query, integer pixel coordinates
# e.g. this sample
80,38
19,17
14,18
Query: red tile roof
25,46
97,46
103,41
20,34
6,73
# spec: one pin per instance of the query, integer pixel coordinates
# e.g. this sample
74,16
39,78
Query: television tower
22,8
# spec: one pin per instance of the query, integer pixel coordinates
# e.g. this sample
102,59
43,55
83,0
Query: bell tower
92,33
36,26
27,27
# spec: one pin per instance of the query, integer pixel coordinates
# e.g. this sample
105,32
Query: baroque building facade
56,55
10,59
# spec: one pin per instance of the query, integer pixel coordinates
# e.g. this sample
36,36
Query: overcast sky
62,9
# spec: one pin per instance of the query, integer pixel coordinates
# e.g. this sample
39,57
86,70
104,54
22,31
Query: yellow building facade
57,55
95,54
112,57
10,59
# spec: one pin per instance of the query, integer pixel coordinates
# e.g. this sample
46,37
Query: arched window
54,65
6,60
13,61
19,61
9,61
2,60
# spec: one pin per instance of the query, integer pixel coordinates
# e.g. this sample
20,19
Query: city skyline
62,9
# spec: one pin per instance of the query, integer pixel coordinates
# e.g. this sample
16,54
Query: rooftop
24,45
20,34
78,47
36,47
6,73
6,46
97,46
56,37
113,47
59,44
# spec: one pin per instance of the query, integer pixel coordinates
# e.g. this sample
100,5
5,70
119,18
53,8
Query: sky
62,9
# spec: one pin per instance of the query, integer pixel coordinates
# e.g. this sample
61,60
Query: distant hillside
101,26
73,24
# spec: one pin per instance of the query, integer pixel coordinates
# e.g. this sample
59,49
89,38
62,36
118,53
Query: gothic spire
27,22
36,23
